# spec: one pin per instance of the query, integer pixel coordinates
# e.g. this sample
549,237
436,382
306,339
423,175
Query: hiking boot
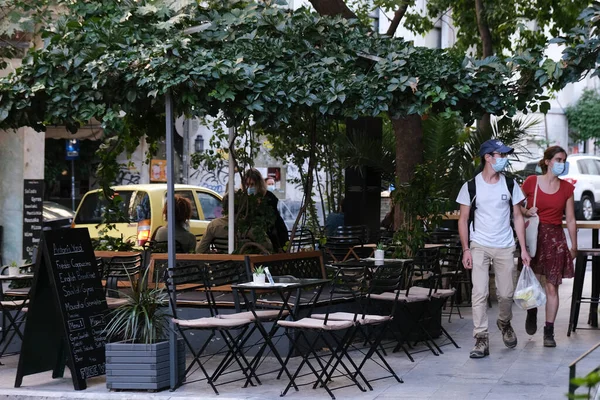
531,321
549,337
508,334
482,346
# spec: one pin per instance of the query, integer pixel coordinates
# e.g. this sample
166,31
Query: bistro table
373,263
284,287
7,307
595,227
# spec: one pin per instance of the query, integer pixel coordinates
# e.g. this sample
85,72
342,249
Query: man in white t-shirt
491,241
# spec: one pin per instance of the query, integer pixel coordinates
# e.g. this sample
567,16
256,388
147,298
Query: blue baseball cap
492,145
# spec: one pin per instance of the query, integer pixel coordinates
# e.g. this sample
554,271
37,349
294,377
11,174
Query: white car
584,173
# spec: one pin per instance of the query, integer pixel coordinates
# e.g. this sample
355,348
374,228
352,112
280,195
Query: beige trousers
504,265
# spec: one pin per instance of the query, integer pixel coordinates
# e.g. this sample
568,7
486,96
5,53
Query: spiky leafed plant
453,149
143,319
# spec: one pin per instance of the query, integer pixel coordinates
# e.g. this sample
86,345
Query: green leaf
131,95
544,107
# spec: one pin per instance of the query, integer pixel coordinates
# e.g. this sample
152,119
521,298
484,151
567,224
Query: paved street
528,372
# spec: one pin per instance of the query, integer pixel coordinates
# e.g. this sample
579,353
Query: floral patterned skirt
553,258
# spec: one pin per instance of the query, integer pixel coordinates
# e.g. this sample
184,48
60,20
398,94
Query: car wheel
587,207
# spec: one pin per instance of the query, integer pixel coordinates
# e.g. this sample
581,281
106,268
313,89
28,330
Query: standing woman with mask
553,257
255,185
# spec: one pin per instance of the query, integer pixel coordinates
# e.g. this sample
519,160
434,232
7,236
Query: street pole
186,151
73,184
171,232
231,191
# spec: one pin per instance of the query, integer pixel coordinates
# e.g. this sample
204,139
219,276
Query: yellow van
142,205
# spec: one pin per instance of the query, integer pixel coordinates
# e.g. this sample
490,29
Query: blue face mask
271,188
252,190
500,164
560,169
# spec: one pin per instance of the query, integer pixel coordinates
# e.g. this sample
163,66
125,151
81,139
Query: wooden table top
435,245
16,277
451,216
584,224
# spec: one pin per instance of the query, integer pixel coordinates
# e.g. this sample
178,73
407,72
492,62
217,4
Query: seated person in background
335,219
217,233
185,240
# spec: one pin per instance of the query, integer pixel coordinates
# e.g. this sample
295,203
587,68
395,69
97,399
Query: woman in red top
553,257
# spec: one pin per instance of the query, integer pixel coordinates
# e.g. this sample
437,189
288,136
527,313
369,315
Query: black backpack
510,183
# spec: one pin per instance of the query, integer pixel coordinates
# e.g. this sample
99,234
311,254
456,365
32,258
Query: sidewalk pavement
529,371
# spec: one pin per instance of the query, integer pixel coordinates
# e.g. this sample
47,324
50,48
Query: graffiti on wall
214,180
127,176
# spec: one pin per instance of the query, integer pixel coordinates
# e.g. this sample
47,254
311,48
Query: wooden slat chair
303,240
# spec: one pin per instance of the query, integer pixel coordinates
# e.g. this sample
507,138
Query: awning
91,131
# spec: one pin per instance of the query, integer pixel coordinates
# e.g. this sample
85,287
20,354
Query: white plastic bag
529,293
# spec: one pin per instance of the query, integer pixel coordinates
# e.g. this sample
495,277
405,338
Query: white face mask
500,164
560,169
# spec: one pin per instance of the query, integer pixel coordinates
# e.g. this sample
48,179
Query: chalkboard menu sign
67,310
33,194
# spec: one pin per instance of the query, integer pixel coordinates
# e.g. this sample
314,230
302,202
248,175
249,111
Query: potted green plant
138,357
258,277
379,252
14,269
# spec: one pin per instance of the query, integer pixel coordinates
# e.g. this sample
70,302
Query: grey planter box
142,366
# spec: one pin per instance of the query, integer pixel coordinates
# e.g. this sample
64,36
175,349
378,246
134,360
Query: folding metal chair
453,271
119,269
303,240
231,330
223,275
334,335
360,283
429,276
220,245
14,313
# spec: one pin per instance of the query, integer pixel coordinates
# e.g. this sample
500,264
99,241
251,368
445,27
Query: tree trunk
332,7
408,130
484,30
487,49
409,152
398,15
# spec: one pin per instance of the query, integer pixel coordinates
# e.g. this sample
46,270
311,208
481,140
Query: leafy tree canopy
582,51
584,117
115,61
511,22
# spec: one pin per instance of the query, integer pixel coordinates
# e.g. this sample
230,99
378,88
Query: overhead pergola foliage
115,60
581,56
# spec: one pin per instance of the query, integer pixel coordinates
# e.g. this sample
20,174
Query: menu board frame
67,310
33,215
